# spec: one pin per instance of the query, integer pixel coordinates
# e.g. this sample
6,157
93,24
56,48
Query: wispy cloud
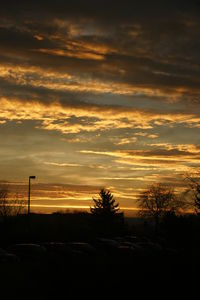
57,117
62,164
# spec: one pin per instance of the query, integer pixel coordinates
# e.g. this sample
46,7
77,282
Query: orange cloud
80,55
52,80
57,117
150,159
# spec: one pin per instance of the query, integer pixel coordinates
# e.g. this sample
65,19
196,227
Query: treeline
165,214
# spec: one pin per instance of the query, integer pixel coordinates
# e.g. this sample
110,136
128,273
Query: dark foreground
122,266
69,257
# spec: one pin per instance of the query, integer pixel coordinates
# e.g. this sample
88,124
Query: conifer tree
105,205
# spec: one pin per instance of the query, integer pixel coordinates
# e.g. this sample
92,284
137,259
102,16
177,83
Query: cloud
62,164
140,48
36,77
121,77
170,158
126,141
74,119
153,136
182,148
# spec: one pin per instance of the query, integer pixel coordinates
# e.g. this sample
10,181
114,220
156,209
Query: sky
98,94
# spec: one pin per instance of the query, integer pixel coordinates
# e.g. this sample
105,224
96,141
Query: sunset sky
98,94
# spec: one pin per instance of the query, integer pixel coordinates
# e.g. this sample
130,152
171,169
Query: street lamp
29,192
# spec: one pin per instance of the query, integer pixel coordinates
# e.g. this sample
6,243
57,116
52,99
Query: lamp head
32,177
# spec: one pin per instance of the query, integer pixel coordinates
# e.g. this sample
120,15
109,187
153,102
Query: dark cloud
128,8
154,43
162,153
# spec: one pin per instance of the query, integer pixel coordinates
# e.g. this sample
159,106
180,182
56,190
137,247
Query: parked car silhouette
28,251
7,257
83,247
106,246
150,248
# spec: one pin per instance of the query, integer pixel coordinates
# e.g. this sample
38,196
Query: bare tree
9,207
5,209
156,201
194,187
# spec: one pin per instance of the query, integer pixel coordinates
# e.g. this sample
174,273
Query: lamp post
29,192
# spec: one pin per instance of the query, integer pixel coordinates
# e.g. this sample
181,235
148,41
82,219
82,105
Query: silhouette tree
194,187
9,207
156,201
197,198
105,205
106,218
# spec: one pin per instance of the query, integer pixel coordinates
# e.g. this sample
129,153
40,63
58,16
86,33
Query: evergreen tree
105,205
